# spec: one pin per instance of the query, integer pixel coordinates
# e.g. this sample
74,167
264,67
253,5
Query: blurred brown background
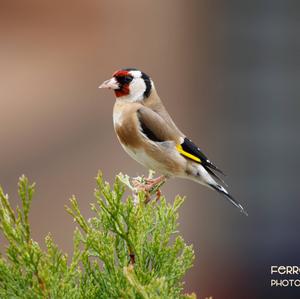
228,72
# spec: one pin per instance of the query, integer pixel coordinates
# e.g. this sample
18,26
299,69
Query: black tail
215,175
222,190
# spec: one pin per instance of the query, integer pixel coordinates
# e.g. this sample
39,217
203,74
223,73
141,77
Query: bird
148,134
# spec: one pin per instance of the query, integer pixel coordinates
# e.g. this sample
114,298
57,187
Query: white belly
144,159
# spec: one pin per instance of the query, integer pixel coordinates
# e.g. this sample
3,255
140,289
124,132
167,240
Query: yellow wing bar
188,155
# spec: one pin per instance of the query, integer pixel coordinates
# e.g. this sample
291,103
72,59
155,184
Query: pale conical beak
110,84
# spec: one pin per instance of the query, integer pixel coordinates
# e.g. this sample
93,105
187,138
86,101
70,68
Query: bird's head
129,84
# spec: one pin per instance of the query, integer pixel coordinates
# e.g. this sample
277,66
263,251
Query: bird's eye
124,79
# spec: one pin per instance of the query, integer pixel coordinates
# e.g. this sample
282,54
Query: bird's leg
152,182
156,184
149,186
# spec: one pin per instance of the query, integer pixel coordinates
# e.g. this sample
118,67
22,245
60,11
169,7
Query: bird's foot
149,186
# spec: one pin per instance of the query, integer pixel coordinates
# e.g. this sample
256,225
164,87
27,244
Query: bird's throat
123,91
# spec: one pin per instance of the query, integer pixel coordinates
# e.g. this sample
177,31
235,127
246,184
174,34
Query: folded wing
189,150
155,127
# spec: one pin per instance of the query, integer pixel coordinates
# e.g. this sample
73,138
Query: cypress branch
130,248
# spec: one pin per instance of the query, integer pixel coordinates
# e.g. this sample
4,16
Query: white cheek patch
136,90
136,74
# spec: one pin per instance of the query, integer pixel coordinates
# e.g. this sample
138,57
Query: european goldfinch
148,134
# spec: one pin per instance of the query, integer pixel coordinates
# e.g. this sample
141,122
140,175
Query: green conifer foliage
130,248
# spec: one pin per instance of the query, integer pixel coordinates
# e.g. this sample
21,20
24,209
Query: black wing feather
191,148
146,130
149,133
